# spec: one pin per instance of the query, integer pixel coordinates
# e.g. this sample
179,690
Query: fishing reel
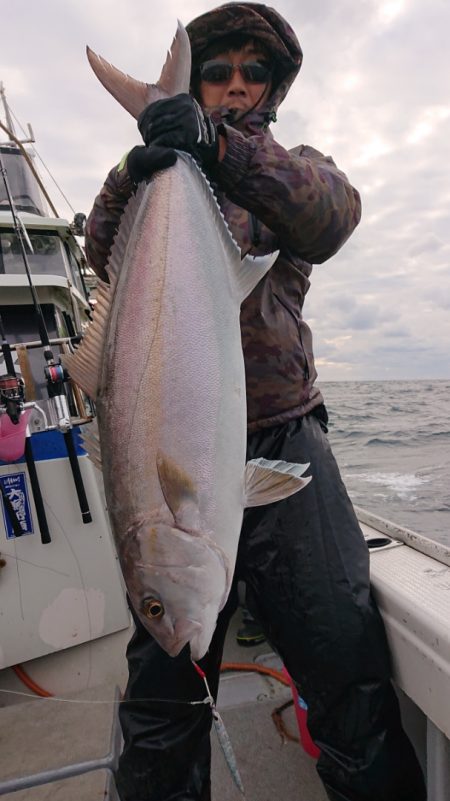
12,396
56,375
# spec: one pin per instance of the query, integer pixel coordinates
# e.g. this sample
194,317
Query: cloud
430,243
372,92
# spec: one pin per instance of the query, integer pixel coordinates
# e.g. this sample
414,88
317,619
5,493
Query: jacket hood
259,22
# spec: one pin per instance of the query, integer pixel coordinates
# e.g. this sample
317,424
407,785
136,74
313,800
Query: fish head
177,582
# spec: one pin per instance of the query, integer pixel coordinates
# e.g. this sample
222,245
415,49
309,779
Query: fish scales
163,360
173,349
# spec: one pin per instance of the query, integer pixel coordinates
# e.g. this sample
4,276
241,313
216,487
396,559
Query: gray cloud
397,331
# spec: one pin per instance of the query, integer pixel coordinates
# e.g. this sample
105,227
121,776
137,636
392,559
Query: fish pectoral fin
179,491
250,271
267,481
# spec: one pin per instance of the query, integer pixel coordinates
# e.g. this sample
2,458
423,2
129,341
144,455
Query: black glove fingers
171,140
167,111
167,157
179,122
160,133
153,131
142,161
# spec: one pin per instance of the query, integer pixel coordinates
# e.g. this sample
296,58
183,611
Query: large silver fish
163,360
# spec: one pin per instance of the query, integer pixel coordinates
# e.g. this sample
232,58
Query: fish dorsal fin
135,95
267,481
250,272
179,492
84,365
122,238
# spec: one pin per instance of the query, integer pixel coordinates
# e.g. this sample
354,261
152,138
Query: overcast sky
373,93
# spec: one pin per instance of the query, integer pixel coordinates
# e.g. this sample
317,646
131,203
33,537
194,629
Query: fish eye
152,608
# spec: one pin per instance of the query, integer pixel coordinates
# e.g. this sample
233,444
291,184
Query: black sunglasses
222,71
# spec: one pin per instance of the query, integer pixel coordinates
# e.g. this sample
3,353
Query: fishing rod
12,398
11,387
11,395
55,378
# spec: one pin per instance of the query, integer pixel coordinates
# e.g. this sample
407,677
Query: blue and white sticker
15,488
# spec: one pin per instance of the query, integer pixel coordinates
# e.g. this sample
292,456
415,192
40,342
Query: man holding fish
303,558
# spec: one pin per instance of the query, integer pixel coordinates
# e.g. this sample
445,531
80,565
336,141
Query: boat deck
41,735
411,586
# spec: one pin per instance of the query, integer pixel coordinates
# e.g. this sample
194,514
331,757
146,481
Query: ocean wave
354,434
385,441
403,438
391,440
403,484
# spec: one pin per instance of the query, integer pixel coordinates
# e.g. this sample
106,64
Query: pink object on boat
12,437
301,713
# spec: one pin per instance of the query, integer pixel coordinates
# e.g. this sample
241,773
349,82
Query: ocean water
391,440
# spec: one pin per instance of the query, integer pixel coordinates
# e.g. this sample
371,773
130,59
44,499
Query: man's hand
142,161
179,122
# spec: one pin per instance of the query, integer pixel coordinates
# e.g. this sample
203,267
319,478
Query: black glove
179,122
142,161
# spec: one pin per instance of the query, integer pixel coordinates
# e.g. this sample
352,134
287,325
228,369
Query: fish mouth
199,645
184,631
175,649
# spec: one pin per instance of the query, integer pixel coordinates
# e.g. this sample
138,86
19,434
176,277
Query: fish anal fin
90,441
179,492
267,481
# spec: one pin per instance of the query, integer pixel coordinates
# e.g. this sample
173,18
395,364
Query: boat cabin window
49,255
75,269
23,186
20,325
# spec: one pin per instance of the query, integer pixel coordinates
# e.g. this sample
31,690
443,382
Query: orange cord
28,681
252,667
225,666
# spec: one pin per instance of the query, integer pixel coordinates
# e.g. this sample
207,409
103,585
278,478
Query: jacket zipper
306,367
254,230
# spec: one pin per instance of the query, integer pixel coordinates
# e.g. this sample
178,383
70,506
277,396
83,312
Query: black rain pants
306,568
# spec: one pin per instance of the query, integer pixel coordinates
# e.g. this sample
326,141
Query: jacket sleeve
299,194
103,221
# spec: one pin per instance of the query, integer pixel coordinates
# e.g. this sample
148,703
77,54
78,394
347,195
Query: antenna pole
8,117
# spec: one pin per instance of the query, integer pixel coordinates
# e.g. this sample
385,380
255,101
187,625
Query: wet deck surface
39,735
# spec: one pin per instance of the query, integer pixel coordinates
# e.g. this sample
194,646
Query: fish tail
135,95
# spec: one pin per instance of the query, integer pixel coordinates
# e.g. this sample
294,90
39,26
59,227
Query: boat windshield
49,256
23,186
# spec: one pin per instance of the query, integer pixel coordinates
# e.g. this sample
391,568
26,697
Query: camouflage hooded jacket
296,201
